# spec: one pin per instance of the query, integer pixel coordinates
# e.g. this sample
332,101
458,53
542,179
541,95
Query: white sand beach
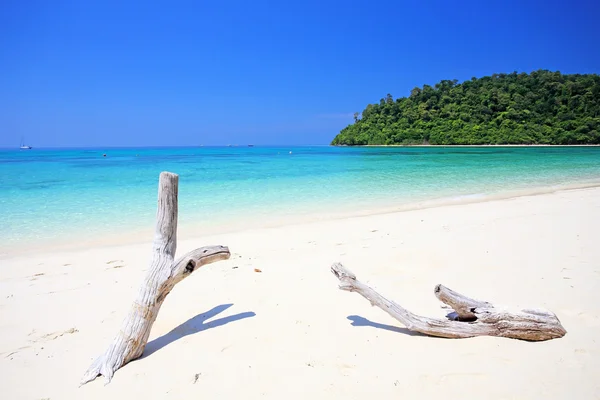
228,332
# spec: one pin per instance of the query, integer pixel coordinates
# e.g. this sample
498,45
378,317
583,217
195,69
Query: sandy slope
288,332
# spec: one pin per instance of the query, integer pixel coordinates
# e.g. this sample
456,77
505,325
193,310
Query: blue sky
117,73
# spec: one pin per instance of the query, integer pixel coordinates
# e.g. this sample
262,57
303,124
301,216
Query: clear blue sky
96,73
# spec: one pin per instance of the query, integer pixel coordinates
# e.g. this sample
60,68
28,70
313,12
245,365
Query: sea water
52,196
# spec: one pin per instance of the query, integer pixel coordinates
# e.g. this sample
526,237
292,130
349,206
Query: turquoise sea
70,196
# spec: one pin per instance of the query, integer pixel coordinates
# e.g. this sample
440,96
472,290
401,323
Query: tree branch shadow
361,321
194,325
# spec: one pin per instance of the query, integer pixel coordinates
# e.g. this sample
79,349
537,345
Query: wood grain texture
163,274
470,317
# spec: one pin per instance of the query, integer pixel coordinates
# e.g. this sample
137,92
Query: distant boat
24,146
250,145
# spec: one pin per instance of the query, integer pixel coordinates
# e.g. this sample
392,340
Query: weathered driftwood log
163,274
470,317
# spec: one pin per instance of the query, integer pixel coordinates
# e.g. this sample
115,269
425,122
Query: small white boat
24,146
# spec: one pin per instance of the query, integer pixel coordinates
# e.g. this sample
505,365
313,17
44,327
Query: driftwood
163,274
470,317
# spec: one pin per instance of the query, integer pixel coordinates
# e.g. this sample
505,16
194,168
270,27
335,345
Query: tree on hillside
542,107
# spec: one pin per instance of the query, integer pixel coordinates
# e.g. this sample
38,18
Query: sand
288,332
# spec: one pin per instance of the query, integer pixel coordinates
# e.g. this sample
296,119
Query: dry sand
288,332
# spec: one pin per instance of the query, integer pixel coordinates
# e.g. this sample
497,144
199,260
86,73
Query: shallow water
63,195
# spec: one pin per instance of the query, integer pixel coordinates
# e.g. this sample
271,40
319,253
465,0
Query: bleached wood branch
471,317
163,274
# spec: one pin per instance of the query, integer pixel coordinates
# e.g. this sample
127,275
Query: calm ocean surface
52,196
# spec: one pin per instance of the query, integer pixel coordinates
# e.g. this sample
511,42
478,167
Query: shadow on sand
195,325
360,321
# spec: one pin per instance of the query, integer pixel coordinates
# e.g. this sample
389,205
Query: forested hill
542,107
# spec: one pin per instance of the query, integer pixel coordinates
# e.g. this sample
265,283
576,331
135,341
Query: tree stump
470,317
163,274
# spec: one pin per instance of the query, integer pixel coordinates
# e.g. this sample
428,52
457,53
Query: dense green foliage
543,107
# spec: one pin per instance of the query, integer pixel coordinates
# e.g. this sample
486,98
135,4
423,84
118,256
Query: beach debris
163,274
34,277
196,377
469,317
257,270
56,335
16,351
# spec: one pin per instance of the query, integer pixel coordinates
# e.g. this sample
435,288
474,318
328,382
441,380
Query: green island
542,107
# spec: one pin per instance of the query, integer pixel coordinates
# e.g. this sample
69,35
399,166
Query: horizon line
163,146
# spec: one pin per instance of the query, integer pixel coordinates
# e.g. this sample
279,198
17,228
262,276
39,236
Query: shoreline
192,231
71,201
